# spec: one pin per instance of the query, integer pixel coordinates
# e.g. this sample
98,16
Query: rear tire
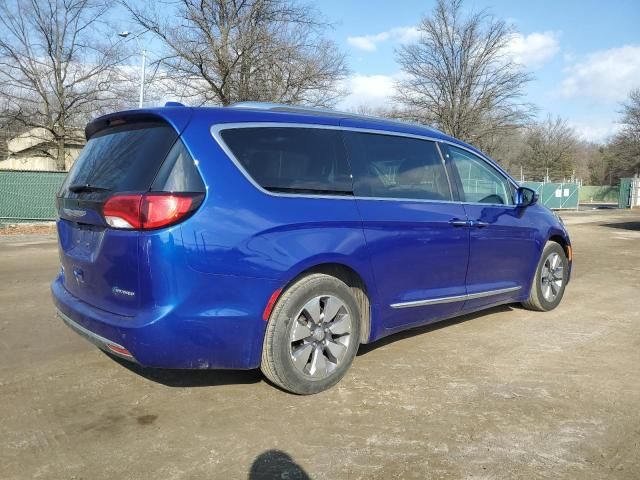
550,279
312,336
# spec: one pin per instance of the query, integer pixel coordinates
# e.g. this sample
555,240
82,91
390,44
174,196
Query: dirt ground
43,228
507,393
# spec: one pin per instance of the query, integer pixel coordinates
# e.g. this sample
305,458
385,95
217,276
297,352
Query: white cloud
370,43
368,90
606,75
535,49
405,34
595,130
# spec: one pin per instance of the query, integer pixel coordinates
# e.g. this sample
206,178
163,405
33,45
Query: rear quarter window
178,172
291,159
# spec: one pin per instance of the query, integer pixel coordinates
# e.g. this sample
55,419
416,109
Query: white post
144,61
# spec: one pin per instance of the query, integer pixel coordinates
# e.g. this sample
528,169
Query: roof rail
281,107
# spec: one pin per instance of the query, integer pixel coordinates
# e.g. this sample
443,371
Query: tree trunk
61,154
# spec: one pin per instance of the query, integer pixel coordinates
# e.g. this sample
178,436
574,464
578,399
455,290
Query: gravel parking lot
506,393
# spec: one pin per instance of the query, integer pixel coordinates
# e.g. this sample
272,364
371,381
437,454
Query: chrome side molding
456,298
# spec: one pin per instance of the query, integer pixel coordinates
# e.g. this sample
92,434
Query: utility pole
144,61
143,53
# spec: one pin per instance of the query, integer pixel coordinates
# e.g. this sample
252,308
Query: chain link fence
556,195
28,184
27,196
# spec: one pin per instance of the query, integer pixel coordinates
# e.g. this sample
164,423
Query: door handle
479,224
456,222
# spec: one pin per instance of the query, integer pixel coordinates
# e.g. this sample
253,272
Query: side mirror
526,197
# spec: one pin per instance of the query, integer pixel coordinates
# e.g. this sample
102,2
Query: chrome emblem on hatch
122,292
70,212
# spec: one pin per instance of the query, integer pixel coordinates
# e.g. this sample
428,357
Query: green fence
599,194
556,195
28,196
629,193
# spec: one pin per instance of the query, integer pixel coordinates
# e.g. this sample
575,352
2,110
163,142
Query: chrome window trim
446,171
455,298
218,128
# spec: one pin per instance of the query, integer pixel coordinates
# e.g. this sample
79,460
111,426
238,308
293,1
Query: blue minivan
281,238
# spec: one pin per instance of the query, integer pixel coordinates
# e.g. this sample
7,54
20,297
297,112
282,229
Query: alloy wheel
552,277
320,336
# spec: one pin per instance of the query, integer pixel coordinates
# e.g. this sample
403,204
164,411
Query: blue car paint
201,286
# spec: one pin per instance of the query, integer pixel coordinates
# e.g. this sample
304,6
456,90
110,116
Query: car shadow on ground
191,378
420,330
211,378
635,226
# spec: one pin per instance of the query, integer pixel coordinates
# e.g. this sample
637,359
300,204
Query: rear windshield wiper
86,187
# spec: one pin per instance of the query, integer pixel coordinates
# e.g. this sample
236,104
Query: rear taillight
149,210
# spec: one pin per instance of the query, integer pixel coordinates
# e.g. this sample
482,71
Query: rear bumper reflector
119,350
270,304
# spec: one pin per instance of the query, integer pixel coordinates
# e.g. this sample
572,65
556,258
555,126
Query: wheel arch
348,275
562,241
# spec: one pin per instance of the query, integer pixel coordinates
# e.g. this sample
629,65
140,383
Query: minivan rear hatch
125,155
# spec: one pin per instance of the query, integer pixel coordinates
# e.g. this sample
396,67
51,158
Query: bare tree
226,51
623,152
550,146
57,67
599,166
631,115
586,157
459,76
507,150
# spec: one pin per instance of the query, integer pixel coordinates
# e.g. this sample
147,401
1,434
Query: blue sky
585,55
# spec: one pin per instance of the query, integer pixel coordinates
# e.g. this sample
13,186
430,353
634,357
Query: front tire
312,336
550,279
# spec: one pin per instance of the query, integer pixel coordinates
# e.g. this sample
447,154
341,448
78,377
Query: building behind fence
28,179
35,149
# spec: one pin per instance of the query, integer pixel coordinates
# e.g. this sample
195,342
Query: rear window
292,160
128,158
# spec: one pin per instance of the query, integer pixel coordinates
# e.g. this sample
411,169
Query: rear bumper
184,336
100,342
